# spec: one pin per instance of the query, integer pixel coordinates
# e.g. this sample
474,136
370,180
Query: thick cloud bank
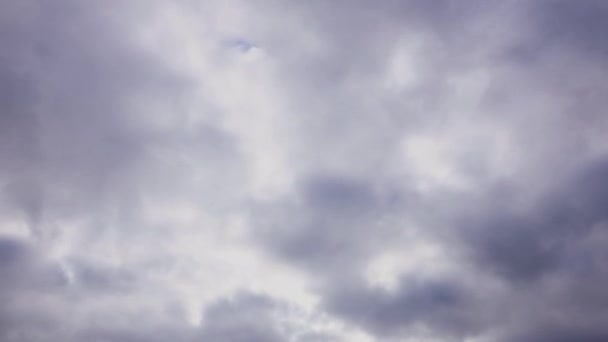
306,171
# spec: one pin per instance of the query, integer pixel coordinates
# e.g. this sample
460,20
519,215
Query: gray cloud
435,309
244,319
253,317
403,168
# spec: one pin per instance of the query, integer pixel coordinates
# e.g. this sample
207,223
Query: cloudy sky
303,171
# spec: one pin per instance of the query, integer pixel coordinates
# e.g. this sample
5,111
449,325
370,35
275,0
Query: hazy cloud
311,171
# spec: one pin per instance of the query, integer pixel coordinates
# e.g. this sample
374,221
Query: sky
303,171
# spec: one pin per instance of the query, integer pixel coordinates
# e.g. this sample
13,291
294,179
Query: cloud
255,317
312,171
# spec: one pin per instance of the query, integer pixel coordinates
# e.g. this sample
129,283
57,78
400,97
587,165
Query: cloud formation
312,171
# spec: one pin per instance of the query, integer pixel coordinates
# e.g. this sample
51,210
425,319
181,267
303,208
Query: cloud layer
304,171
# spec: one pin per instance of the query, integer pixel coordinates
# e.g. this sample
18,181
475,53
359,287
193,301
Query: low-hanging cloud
312,171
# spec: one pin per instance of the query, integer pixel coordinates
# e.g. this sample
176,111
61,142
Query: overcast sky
303,171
